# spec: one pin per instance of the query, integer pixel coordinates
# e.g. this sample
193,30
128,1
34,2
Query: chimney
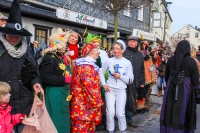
195,27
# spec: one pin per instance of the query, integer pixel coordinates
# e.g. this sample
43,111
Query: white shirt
124,69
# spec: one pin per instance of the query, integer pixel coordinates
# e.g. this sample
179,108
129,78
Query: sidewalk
147,122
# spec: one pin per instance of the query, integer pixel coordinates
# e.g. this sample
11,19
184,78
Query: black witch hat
14,22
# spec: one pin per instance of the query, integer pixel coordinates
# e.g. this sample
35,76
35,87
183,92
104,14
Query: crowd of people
84,87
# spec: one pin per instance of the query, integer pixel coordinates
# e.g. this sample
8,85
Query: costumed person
73,45
73,42
7,120
3,20
17,64
56,78
120,74
150,77
193,55
137,61
102,58
86,100
178,113
162,60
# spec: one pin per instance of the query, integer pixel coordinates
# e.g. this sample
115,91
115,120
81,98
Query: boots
159,92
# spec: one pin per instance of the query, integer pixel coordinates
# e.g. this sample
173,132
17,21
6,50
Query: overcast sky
184,12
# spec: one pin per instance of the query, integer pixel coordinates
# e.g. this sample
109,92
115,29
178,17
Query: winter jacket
8,121
137,61
10,71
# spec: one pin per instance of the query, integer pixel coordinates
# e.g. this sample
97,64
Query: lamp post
166,11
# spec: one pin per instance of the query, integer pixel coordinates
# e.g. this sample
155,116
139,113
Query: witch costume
178,114
17,64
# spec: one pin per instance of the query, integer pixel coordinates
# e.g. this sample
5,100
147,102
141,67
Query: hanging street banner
80,18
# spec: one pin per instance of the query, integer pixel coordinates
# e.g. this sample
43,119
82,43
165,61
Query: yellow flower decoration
69,98
62,66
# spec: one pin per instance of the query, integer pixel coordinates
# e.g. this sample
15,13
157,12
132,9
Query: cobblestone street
151,123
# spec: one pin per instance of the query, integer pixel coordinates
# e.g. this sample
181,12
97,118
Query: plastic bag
131,98
39,120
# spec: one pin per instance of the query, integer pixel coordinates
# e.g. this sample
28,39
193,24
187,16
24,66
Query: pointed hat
14,22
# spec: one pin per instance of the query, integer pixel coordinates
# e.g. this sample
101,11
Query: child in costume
7,120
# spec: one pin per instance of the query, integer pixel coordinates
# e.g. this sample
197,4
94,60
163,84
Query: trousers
115,102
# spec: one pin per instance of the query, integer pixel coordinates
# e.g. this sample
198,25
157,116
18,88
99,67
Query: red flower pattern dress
86,99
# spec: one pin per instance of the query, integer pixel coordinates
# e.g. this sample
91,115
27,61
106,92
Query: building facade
190,33
43,17
158,25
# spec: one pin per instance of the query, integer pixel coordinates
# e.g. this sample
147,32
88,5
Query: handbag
131,98
39,120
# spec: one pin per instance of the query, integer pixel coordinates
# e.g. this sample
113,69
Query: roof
198,30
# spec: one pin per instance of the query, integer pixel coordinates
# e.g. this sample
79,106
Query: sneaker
132,124
123,131
111,132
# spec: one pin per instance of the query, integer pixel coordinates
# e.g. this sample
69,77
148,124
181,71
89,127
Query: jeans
20,127
128,115
161,81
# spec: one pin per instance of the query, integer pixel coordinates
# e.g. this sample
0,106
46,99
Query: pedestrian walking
178,113
120,73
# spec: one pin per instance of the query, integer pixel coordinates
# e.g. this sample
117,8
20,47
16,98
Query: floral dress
86,100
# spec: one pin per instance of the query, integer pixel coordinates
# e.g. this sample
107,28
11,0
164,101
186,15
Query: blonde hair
193,53
4,88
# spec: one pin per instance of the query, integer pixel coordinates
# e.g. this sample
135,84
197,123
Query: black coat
51,74
137,61
10,71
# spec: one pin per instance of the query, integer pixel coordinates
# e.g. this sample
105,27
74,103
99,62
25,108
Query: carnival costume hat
14,22
87,48
93,38
57,41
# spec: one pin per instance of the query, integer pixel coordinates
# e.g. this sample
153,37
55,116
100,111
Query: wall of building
188,29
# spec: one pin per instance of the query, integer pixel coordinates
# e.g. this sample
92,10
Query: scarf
11,49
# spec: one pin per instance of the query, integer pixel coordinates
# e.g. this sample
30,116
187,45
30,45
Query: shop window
42,31
140,13
196,35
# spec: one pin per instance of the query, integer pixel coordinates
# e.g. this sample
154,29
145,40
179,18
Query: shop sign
144,35
80,18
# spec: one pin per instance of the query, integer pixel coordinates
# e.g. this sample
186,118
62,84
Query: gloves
68,79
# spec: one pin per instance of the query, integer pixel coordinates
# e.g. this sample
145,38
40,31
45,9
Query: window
89,1
140,13
188,28
127,12
188,35
196,35
179,35
42,31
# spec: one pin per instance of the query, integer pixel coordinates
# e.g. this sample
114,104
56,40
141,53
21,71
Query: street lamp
166,11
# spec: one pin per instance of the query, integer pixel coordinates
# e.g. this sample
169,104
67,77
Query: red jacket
7,120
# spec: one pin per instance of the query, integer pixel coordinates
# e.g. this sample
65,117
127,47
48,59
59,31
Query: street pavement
149,123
